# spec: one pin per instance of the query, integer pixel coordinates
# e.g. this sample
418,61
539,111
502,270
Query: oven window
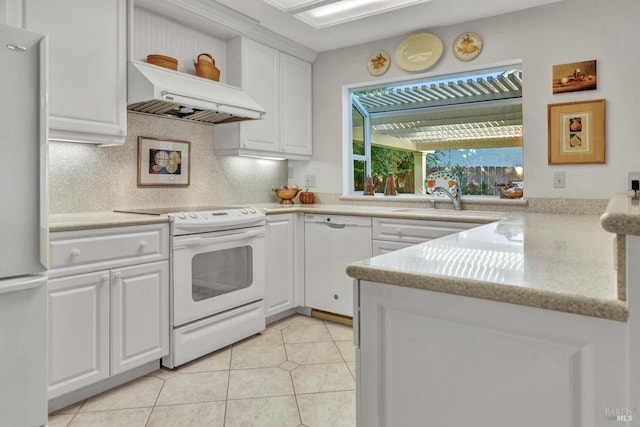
220,272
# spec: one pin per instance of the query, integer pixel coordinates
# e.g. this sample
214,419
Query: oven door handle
196,240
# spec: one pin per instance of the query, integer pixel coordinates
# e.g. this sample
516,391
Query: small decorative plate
467,46
378,63
418,52
442,179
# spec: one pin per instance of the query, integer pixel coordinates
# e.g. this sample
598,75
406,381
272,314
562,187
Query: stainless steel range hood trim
217,106
149,85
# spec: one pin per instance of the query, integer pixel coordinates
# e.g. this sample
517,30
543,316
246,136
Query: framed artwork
575,76
163,162
576,132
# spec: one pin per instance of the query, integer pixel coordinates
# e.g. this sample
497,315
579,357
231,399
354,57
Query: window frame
366,137
348,104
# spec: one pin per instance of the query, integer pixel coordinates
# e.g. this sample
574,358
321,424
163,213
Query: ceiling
435,13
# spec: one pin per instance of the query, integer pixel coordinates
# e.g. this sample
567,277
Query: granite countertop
93,220
622,215
556,262
480,217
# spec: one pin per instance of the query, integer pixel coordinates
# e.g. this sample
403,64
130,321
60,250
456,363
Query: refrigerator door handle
22,283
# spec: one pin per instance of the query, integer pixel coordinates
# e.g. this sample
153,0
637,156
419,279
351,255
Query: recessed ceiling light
348,10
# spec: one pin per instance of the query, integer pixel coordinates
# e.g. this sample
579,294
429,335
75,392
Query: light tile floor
299,372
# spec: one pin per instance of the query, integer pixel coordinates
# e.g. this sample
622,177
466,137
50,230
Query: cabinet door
295,105
78,331
280,263
260,68
11,12
87,67
139,315
380,247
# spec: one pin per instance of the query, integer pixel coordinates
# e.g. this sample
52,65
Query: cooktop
168,210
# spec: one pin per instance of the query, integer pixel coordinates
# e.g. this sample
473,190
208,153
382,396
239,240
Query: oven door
215,272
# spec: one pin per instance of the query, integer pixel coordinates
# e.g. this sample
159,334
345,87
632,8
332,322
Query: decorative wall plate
467,46
442,179
418,52
378,63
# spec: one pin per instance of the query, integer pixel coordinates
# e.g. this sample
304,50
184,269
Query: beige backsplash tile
83,177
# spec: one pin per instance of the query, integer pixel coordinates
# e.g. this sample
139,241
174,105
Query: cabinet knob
399,231
336,296
74,253
143,244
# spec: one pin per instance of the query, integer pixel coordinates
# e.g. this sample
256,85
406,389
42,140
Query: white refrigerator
23,228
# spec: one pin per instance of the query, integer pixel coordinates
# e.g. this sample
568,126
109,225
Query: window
469,125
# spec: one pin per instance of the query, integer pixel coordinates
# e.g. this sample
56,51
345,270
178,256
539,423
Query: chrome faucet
455,199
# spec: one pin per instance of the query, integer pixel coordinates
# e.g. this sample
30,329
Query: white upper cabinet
281,83
87,66
295,106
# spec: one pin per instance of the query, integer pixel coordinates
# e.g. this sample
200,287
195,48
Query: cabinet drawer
415,231
86,250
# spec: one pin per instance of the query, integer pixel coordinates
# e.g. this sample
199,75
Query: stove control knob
244,211
193,215
253,210
182,216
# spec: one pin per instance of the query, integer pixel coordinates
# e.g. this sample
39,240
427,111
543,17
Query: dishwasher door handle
334,225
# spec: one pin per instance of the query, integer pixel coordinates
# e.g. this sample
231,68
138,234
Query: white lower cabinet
111,320
280,263
78,331
459,361
390,234
139,318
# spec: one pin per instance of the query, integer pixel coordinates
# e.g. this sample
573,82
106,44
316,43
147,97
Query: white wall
568,31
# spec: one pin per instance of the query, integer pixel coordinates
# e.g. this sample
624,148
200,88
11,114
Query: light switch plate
309,181
558,180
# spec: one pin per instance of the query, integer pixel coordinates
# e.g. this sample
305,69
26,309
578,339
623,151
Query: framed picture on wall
576,132
575,76
163,163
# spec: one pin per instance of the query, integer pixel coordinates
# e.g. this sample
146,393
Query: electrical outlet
309,181
558,180
631,176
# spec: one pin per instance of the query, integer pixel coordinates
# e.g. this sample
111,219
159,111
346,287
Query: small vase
389,186
368,187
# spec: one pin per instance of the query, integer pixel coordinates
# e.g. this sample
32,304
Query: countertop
556,262
480,217
93,220
622,215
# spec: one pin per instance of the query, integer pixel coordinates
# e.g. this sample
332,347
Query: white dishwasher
331,243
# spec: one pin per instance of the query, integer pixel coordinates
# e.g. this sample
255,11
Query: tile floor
299,372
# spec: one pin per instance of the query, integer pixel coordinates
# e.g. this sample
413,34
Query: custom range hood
160,91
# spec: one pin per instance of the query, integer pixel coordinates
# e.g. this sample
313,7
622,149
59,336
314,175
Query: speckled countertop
556,262
622,215
93,220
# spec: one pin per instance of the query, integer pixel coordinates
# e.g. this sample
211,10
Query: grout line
228,373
